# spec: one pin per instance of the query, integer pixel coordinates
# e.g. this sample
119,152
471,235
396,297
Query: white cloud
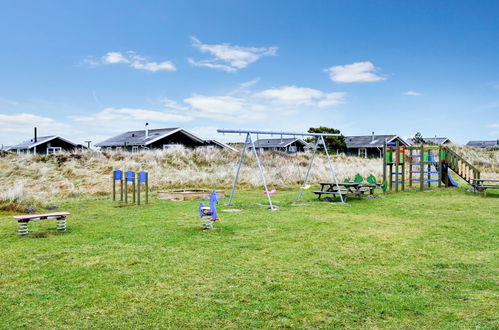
132,59
292,95
114,57
226,108
412,93
19,127
126,114
228,57
153,66
355,72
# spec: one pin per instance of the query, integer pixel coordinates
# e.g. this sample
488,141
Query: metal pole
309,168
238,170
332,168
261,171
274,133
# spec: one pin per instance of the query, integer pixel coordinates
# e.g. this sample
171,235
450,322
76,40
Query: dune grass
37,180
423,260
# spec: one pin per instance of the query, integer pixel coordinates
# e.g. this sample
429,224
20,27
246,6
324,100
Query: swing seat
273,191
307,187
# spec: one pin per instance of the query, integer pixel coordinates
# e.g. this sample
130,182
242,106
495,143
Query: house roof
221,144
277,143
371,141
436,140
39,140
483,144
138,138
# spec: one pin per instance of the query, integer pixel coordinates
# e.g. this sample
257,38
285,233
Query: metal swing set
249,142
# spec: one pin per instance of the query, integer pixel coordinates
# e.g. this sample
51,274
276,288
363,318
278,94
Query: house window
135,149
293,148
171,146
362,152
54,150
119,149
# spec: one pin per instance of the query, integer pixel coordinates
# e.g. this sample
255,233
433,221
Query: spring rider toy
207,214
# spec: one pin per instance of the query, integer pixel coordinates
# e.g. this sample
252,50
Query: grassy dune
38,180
407,260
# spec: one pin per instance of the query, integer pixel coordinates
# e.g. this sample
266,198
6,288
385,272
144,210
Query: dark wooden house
288,145
44,145
484,144
434,140
370,146
154,139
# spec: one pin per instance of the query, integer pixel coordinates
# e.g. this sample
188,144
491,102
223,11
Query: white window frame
171,146
109,149
363,150
54,150
135,149
293,149
119,148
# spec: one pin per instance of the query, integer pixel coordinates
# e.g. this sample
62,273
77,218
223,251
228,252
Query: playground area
405,260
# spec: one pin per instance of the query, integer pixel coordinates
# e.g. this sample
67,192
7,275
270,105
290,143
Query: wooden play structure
424,166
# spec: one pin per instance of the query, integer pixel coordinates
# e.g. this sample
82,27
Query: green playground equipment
358,178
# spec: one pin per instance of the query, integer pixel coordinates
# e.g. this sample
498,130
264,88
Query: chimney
147,130
35,138
372,137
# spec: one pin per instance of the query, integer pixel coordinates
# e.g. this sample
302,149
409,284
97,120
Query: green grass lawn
426,260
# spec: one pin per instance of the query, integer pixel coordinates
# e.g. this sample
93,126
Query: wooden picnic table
345,189
482,185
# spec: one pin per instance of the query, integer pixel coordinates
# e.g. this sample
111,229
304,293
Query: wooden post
440,165
121,188
397,160
429,170
411,159
133,188
138,189
147,188
390,176
126,189
421,169
403,170
384,162
114,187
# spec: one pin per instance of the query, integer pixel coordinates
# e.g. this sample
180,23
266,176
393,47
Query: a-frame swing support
249,141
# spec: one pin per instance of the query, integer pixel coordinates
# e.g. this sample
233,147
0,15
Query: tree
418,138
333,143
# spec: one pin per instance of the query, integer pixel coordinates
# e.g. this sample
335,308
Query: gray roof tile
28,144
368,141
276,143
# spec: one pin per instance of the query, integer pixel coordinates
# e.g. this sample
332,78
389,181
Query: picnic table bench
481,185
345,189
22,220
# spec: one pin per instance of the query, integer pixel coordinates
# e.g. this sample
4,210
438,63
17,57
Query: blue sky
87,70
